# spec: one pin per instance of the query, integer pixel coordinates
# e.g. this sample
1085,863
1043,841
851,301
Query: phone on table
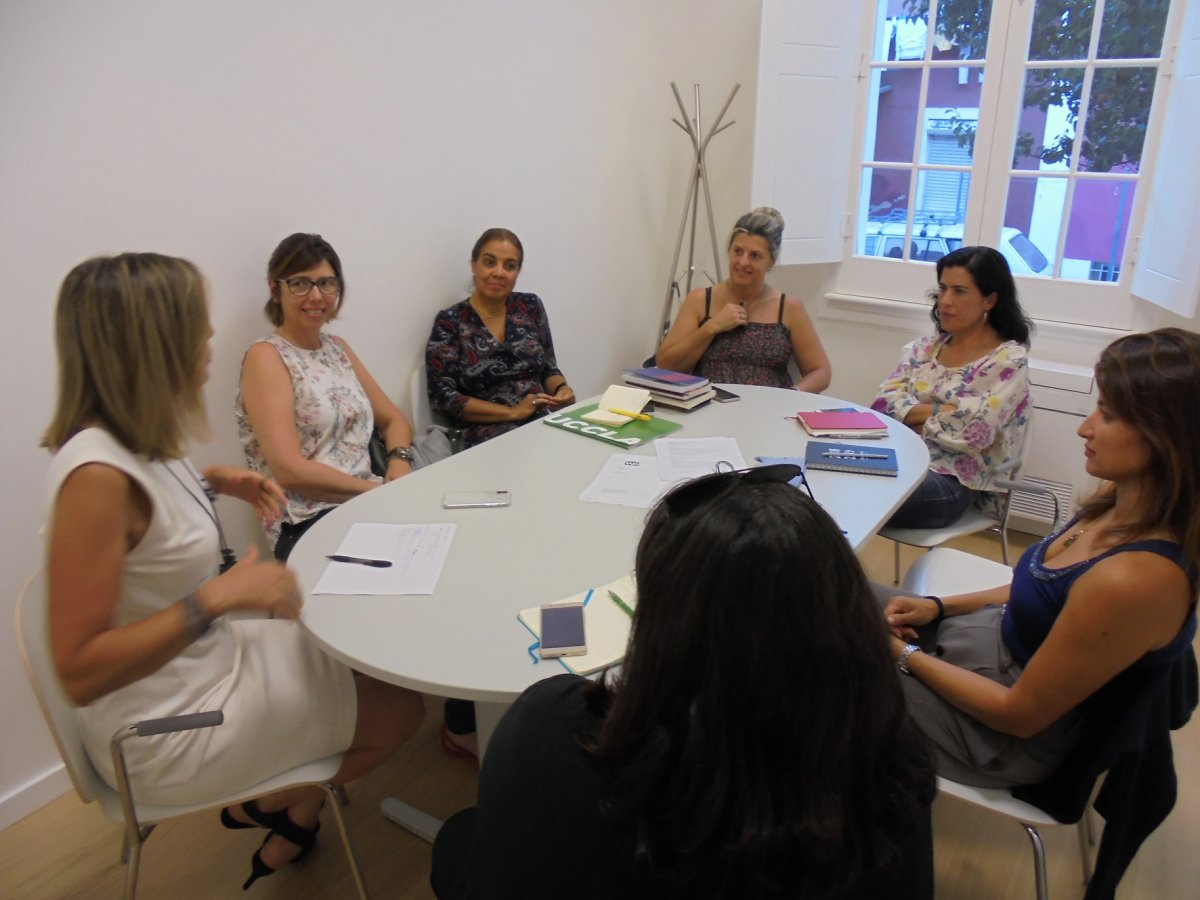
724,396
562,630
476,499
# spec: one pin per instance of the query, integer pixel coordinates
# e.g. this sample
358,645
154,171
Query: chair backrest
418,398
33,643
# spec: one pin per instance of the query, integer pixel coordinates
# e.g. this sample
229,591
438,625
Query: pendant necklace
1073,537
227,555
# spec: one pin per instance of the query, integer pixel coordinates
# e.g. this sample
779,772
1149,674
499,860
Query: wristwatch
902,659
404,453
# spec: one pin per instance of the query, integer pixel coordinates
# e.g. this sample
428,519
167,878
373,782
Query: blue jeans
937,501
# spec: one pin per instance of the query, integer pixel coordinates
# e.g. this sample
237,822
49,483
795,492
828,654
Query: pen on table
641,417
362,561
612,595
853,454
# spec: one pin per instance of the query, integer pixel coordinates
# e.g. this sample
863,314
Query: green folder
631,434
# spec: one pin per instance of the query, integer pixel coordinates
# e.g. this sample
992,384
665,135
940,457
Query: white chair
974,519
418,399
138,818
944,571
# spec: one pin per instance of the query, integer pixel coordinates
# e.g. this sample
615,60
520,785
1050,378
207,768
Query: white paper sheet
692,457
627,480
417,554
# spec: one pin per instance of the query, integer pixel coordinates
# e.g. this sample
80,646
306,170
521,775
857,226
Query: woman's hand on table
904,614
562,396
528,407
262,493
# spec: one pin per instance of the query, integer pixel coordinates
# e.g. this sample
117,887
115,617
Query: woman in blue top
1110,594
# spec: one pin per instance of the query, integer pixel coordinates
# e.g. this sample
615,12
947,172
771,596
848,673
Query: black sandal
304,838
259,819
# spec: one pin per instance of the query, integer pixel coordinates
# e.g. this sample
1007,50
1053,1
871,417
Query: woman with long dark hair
754,744
965,389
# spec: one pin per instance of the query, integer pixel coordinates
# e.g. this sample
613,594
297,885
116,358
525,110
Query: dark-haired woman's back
545,825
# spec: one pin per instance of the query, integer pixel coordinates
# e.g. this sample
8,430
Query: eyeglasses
300,286
711,486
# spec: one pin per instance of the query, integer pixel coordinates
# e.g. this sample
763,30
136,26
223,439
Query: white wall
399,130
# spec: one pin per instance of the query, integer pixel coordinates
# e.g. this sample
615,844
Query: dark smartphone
724,396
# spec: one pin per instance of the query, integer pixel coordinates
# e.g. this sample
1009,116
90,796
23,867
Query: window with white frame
1024,125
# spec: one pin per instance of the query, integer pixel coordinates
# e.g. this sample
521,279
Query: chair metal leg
339,791
1087,840
896,572
1039,861
1004,544
134,860
335,806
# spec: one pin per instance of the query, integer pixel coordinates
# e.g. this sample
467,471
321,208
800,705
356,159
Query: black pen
375,563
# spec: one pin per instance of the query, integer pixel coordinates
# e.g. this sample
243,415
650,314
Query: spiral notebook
851,458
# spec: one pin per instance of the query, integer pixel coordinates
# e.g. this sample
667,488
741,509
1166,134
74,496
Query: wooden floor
69,850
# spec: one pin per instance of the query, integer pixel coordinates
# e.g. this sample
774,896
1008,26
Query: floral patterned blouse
985,432
334,420
464,360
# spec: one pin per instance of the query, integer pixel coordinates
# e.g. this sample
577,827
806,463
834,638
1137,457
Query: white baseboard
33,795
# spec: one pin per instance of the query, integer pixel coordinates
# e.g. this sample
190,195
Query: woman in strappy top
743,331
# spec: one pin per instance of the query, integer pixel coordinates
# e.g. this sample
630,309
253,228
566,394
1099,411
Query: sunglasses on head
707,487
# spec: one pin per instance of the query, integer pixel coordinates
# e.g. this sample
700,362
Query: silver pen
362,561
852,454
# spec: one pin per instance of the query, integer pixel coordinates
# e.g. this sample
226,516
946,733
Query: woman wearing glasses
307,405
754,744
137,609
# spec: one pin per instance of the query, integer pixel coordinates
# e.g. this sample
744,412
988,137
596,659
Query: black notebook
851,458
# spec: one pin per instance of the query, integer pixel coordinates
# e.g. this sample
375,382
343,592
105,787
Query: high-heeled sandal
304,838
258,818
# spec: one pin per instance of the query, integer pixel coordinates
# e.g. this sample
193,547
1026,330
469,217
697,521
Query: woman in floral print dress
965,390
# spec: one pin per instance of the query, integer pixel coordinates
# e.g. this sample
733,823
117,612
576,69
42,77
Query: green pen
612,595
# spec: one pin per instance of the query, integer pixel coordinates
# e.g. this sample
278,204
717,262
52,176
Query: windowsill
901,314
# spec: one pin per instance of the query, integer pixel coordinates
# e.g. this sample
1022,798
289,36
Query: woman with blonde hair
137,609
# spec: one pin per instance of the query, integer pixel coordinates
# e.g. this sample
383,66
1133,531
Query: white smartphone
476,499
562,630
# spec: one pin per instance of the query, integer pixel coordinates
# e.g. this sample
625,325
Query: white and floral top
334,420
984,433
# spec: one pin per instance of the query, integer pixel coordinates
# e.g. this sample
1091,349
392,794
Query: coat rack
691,206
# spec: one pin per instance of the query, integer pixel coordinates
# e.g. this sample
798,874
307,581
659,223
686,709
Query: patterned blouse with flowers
464,360
984,433
334,420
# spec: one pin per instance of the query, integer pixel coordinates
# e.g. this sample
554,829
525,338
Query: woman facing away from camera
137,609
965,390
743,331
1025,675
306,405
754,744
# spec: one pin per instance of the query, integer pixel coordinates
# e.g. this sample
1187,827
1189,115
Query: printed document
681,458
416,553
628,480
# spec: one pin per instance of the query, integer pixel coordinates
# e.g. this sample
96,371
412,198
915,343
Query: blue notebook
851,458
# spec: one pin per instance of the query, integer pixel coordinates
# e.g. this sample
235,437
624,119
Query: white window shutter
1167,268
805,121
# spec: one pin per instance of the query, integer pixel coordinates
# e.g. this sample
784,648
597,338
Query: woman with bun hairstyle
743,331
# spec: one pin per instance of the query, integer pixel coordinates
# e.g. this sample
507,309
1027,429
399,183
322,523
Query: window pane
1118,112
962,26
907,28
1133,29
892,132
1096,229
883,212
1061,29
942,197
1032,218
1046,133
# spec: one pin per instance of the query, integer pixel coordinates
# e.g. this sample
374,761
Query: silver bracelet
196,621
902,659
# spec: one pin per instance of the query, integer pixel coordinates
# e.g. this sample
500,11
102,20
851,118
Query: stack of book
677,389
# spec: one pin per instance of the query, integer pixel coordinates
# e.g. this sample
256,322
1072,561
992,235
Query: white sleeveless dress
285,701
